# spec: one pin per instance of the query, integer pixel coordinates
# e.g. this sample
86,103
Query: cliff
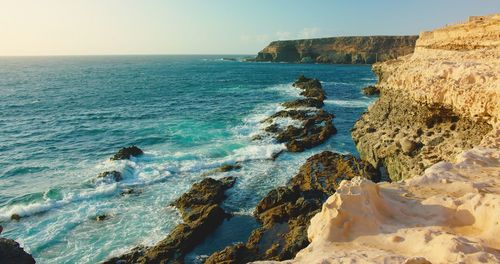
339,50
435,126
436,103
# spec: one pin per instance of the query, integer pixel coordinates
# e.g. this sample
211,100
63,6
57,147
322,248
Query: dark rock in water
317,125
307,102
126,153
202,214
129,191
114,175
294,114
102,217
315,130
314,136
206,192
371,90
15,217
286,211
12,253
312,88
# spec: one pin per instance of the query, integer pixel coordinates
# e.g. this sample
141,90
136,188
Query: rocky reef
312,125
435,103
338,50
285,212
12,253
202,214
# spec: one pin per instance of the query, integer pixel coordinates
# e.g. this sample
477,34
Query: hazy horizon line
138,54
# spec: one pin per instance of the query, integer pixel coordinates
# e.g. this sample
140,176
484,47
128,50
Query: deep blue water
61,118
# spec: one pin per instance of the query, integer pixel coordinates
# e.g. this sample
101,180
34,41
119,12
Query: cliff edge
436,103
338,50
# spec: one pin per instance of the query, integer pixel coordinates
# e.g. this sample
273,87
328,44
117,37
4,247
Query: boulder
126,153
12,253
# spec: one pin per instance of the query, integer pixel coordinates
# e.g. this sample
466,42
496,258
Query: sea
62,118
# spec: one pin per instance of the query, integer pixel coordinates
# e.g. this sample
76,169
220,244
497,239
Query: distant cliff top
457,66
340,50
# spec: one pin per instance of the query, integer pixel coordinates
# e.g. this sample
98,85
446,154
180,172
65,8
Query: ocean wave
349,103
338,83
24,210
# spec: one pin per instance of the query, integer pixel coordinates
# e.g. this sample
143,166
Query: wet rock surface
111,175
127,152
315,124
201,213
285,212
371,90
410,137
12,253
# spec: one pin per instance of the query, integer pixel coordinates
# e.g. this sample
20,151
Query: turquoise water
61,118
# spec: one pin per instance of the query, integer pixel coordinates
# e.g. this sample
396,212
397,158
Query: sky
109,27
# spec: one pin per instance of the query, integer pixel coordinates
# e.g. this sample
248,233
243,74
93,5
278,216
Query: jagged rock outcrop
447,215
338,50
313,125
127,152
285,212
202,214
12,253
437,102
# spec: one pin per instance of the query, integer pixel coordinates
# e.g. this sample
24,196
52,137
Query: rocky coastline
435,131
338,50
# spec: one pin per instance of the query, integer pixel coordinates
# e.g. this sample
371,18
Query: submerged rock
285,212
15,217
201,213
12,253
126,153
101,217
113,175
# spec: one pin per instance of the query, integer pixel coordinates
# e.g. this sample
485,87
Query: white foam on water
287,89
349,103
40,207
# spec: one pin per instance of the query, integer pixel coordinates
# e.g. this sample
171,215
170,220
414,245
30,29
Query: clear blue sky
65,27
